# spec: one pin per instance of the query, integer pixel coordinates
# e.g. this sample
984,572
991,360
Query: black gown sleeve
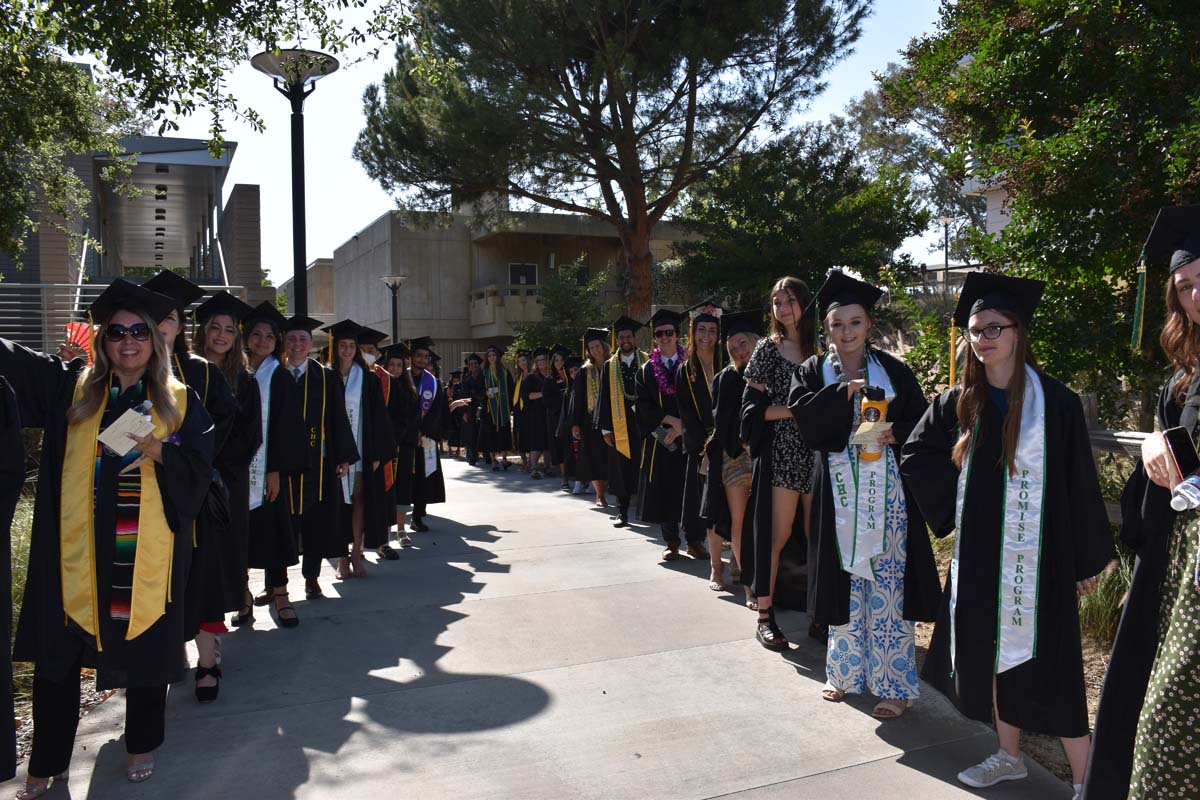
579,415
909,406
603,419
754,418
245,434
647,409
185,474
379,442
431,423
727,411
926,463
1090,532
37,380
694,432
824,414
214,391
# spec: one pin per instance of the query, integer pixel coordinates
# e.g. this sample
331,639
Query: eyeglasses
664,333
117,333
987,332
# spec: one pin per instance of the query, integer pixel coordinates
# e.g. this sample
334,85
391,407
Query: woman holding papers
873,578
1004,458
112,527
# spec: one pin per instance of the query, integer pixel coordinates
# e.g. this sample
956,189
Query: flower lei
665,386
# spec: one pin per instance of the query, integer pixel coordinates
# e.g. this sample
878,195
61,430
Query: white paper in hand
869,433
115,437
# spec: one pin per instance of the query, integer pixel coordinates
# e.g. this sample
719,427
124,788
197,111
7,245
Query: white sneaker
578,488
999,766
405,541
1078,787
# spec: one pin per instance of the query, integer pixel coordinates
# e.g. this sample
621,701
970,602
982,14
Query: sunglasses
988,332
665,332
117,333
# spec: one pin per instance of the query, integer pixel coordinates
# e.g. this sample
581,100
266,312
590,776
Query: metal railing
36,314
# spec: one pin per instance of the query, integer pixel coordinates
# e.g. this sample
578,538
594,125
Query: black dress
377,444
44,387
592,464
1147,522
622,471
316,493
271,538
534,433
233,464
1045,694
660,495
694,390
825,415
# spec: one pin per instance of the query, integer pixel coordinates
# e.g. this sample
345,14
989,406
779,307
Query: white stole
258,465
1021,535
354,393
860,487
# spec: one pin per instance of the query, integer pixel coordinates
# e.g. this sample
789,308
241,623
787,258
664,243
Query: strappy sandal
140,773
751,601
890,709
245,616
265,597
768,633
207,694
287,622
387,553
832,693
30,791
717,584
312,590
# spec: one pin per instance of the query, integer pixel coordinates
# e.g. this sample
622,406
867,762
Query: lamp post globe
295,73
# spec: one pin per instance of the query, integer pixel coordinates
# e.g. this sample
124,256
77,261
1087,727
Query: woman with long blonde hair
1004,459
106,522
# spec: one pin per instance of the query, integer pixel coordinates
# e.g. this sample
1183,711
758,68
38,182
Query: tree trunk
638,261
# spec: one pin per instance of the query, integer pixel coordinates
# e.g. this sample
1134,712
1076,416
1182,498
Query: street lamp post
296,73
946,222
394,282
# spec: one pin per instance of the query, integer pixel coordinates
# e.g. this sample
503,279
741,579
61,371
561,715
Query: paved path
527,649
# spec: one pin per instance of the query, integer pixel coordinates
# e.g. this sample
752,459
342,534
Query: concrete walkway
527,649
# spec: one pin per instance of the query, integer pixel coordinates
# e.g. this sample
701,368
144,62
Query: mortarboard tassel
953,360
1139,306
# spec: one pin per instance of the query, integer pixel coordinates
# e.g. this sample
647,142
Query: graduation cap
559,350
222,303
456,373
665,316
178,288
299,322
624,323
573,362
840,289
595,334
121,295
421,343
434,357
990,291
541,352
473,358
370,336
706,311
524,354
346,329
1174,240
736,322
497,349
397,350
264,312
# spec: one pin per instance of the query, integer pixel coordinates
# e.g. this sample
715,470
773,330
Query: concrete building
175,217
466,286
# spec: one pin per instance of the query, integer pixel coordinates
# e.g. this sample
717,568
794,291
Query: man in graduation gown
12,478
1042,691
428,484
369,342
472,387
663,461
616,417
315,495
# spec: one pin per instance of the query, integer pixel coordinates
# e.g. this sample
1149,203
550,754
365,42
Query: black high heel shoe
207,694
768,633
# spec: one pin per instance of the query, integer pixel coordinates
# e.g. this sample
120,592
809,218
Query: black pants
56,718
310,568
670,532
418,511
623,506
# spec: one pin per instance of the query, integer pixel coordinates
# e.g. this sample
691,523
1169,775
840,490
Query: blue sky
342,200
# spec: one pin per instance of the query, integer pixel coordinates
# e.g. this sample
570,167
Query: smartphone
1184,459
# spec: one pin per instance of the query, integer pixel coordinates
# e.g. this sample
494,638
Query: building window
522,274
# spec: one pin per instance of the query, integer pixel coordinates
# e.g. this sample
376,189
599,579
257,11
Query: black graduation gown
727,388
44,387
564,434
1147,522
495,429
211,591
534,433
1045,694
472,387
378,444
825,416
791,579
660,494
316,494
621,472
452,428
694,392
430,488
271,539
553,387
233,464
12,479
405,410
592,464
